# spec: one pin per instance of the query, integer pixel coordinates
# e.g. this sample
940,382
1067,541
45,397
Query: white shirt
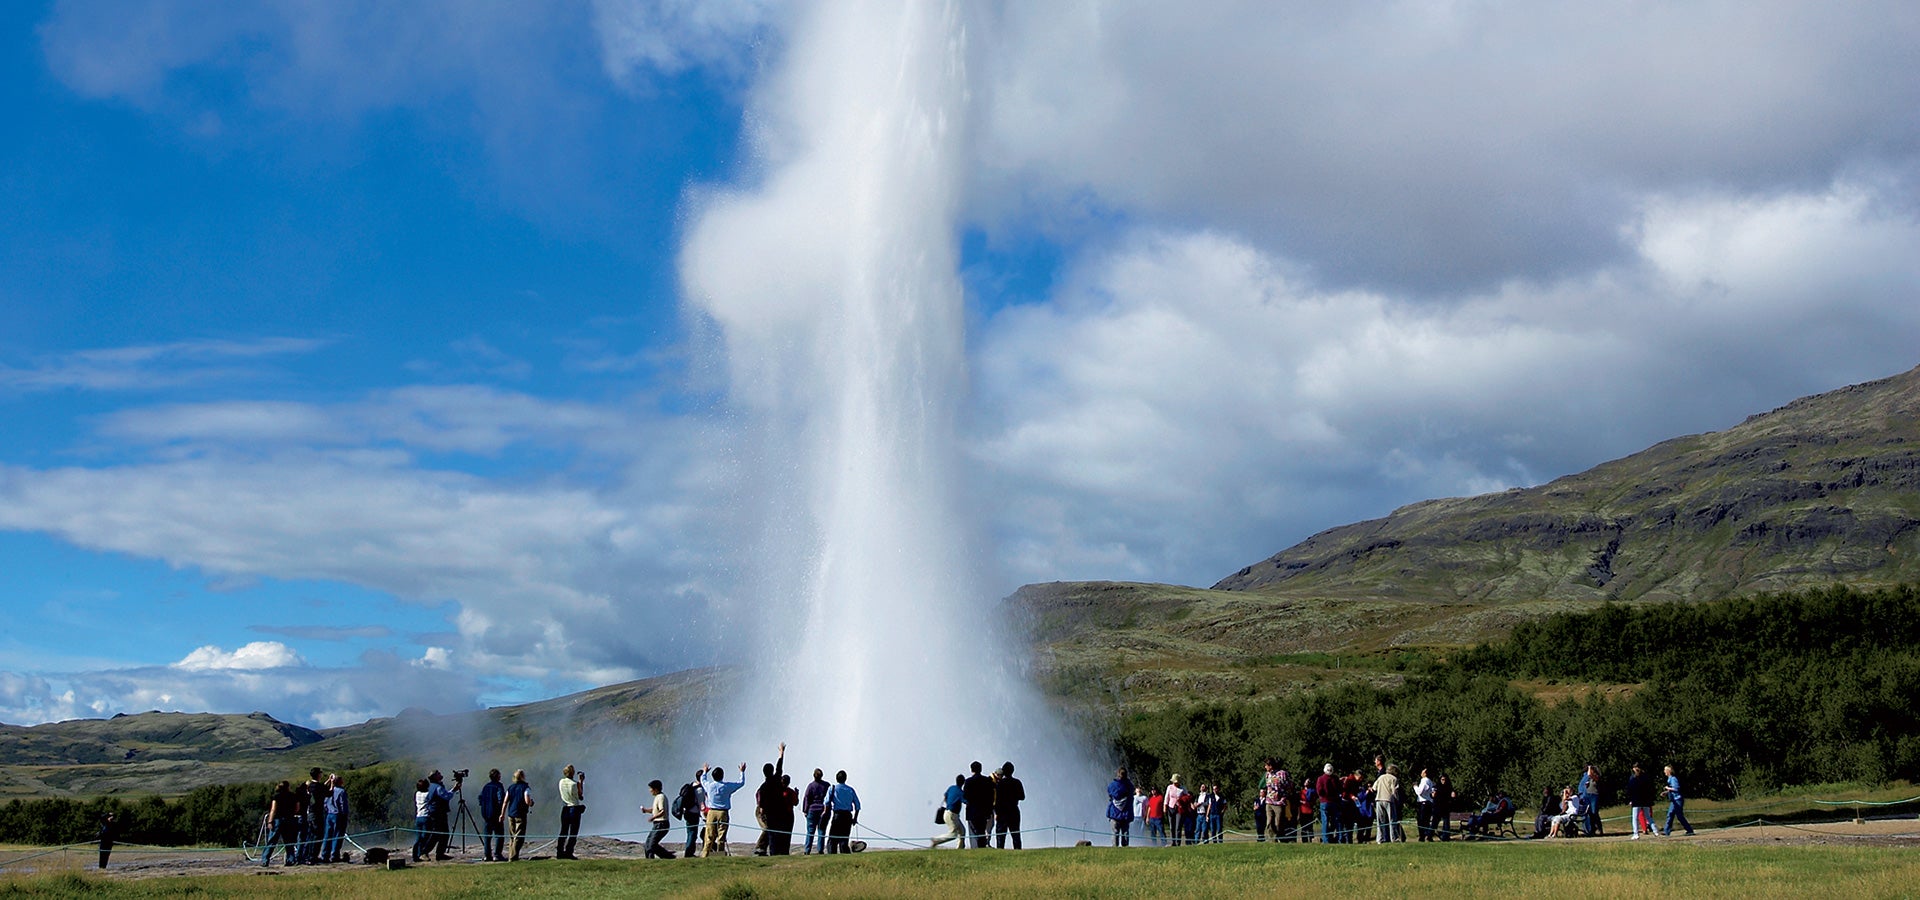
1139,806
1424,793
420,799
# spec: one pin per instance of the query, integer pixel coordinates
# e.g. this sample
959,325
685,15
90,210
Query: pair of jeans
654,850
277,834
1676,809
1383,821
493,840
817,827
1005,823
336,831
1156,834
569,830
1326,823
1122,832
981,828
423,837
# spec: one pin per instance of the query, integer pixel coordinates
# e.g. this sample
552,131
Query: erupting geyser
833,278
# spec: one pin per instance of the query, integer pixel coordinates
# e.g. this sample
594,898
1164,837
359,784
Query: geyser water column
833,277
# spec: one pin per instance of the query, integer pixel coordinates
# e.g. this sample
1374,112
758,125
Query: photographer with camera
438,803
573,802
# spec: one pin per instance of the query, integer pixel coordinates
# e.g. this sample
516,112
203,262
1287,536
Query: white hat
1328,769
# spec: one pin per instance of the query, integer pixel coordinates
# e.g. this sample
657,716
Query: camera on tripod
461,774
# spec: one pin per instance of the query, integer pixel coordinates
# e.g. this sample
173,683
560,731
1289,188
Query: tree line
1741,696
211,815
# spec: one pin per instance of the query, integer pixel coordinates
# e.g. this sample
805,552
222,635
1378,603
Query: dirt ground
131,862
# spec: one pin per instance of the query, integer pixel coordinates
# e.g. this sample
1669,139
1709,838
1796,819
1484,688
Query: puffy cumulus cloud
558,581
1412,145
254,655
1188,403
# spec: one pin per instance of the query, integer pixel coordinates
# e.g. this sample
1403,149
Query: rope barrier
250,851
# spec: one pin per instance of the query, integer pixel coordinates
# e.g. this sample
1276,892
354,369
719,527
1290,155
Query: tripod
463,823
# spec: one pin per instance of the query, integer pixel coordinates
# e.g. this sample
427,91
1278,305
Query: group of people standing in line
988,805
1337,809
306,823
705,805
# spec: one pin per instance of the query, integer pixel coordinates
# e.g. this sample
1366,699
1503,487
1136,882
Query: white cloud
1187,404
255,655
1433,145
151,367
560,581
671,36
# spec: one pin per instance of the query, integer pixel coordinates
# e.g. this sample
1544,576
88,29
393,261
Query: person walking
573,804
1120,806
978,790
1385,810
493,818
518,803
1639,803
950,815
1676,804
657,817
843,812
813,805
1273,800
720,807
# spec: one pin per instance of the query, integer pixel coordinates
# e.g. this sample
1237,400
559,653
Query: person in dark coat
1007,795
108,827
978,791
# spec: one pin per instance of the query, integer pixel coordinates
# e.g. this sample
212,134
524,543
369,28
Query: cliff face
1823,490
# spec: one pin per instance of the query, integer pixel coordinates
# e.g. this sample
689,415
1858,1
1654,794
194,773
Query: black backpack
683,805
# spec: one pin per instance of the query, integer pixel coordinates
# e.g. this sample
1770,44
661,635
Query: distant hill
1823,490
170,753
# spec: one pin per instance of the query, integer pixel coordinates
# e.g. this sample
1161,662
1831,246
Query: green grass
1560,869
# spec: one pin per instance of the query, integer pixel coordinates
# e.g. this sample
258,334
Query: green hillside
1823,490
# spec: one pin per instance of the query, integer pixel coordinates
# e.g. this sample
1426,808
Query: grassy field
1562,869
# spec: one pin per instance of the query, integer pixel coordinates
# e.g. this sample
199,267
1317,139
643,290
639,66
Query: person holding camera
573,803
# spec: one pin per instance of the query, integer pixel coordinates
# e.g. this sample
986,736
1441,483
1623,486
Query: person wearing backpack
692,802
1120,806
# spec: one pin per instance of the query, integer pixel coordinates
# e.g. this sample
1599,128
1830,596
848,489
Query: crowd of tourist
1370,807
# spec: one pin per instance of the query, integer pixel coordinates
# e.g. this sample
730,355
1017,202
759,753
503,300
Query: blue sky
344,364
